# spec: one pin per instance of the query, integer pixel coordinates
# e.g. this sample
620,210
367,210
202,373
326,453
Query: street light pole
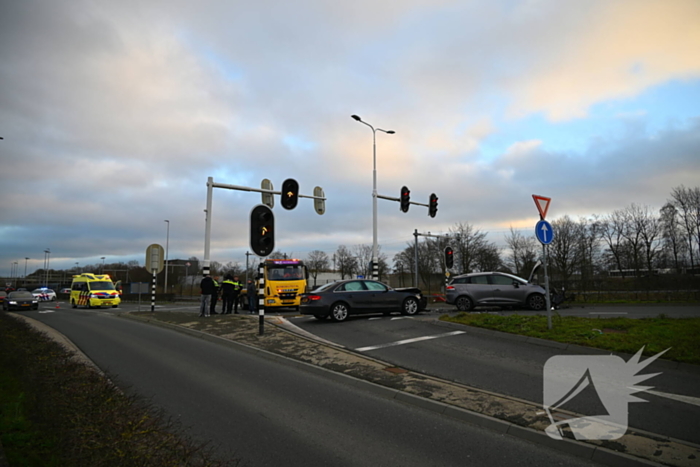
48,257
102,271
375,264
167,241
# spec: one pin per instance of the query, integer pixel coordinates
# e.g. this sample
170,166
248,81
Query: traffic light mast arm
259,190
390,198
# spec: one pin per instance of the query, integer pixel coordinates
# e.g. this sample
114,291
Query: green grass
626,335
55,411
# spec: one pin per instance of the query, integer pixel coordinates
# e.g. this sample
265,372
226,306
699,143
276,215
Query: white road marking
608,313
408,341
677,397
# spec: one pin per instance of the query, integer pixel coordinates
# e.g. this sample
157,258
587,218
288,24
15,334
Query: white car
44,294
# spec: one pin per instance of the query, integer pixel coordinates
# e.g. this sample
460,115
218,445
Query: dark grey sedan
344,298
20,300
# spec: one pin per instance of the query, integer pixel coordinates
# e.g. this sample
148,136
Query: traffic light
290,193
405,199
432,205
449,258
262,230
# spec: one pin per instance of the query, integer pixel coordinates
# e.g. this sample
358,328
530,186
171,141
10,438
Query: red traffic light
405,199
449,258
432,205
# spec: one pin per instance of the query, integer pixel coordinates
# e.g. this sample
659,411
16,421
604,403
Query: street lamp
167,241
47,257
102,271
375,264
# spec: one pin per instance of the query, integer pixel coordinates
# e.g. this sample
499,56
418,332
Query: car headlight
12,302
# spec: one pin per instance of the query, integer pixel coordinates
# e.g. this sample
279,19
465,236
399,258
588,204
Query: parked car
44,294
493,289
3,296
65,290
355,296
20,300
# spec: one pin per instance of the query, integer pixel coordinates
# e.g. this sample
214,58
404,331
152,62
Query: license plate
26,304
106,303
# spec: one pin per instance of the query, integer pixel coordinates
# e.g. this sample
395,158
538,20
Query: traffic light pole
416,234
207,230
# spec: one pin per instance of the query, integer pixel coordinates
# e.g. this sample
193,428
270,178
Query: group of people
229,290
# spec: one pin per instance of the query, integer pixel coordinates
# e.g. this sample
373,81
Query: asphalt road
268,412
506,366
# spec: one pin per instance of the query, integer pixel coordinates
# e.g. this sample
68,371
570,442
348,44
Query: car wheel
320,317
115,306
339,312
536,302
72,304
409,307
464,303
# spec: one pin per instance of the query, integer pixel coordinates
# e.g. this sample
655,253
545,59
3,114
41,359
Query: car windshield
289,272
21,294
324,287
101,285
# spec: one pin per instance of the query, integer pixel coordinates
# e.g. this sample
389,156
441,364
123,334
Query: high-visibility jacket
230,287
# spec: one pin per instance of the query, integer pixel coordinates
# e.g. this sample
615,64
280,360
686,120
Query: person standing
252,294
215,296
228,295
207,289
236,293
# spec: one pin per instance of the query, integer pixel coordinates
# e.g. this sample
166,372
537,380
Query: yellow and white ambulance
93,290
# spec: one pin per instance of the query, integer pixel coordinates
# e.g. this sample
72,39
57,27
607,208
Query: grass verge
55,411
614,334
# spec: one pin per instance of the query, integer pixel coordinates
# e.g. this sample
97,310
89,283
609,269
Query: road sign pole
546,287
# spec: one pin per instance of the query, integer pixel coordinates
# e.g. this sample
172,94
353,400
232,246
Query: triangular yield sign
542,204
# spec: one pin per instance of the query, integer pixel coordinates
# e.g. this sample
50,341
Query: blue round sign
544,232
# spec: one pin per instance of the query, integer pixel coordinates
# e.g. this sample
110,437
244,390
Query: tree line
632,241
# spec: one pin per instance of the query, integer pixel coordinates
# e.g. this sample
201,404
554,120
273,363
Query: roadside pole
546,287
261,299
153,292
545,234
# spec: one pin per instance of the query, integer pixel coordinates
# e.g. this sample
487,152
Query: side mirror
516,284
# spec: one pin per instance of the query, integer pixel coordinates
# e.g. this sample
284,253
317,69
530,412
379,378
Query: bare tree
345,263
523,252
682,199
612,228
674,245
316,262
468,245
565,248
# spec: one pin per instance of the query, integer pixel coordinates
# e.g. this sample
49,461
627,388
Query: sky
114,114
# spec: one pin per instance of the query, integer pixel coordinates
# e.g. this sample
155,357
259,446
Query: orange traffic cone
57,307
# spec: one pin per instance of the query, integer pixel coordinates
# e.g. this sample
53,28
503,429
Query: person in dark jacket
252,295
208,290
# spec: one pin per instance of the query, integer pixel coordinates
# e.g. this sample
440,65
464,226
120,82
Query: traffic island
495,411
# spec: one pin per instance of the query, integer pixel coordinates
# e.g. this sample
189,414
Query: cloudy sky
114,113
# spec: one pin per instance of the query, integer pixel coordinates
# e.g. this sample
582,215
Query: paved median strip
407,341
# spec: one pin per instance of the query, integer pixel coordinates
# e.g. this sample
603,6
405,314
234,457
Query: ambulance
93,290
